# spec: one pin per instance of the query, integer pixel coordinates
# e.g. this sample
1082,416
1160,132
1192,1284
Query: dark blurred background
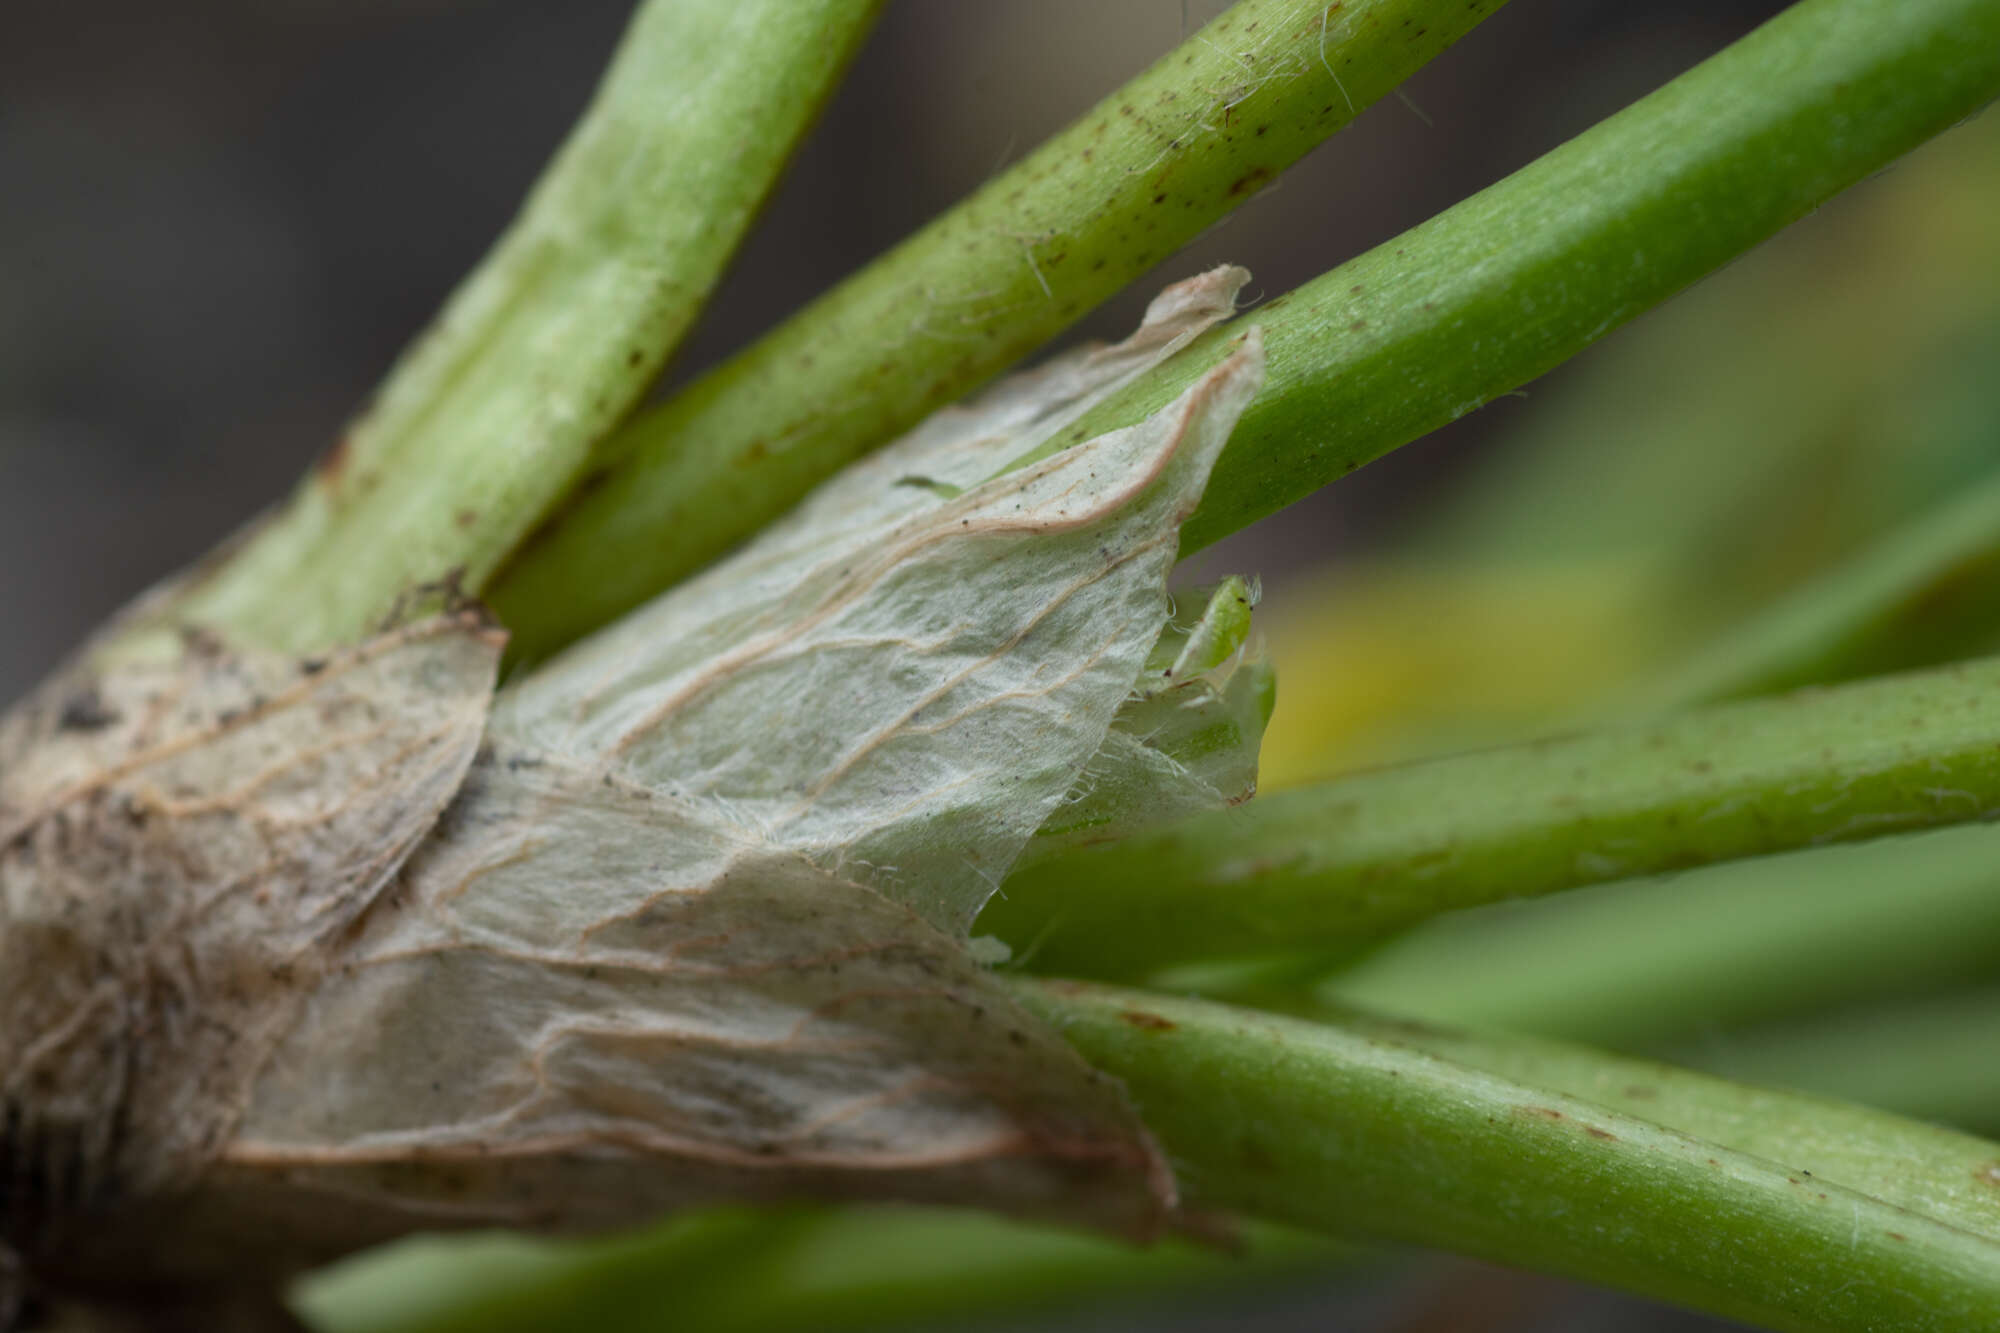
220,220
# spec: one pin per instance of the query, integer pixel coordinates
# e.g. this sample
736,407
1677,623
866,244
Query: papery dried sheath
696,929
185,848
692,925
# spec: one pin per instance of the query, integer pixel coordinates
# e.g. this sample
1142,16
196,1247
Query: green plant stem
1928,592
1132,180
740,1270
1497,290
493,414
1934,1058
1320,865
1637,965
1770,1207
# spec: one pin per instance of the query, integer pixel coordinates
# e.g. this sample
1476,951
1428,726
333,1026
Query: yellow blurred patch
1385,662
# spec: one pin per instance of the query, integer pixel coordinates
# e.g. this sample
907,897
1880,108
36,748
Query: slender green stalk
1136,177
1358,855
1831,413
1928,592
493,414
1636,965
1774,1208
1933,1058
1523,275
739,1270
